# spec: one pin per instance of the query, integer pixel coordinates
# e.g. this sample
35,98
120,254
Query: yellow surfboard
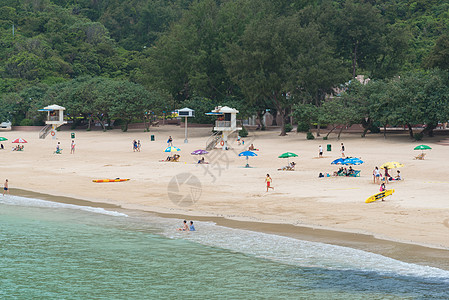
379,196
110,180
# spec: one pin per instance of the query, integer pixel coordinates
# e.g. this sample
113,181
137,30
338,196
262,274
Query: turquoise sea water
58,251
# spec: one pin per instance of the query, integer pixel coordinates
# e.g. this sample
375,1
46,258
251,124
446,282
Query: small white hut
55,119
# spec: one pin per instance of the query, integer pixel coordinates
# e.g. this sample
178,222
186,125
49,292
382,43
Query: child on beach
268,180
320,151
184,227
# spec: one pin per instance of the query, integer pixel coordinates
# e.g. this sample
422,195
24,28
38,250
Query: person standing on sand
342,150
268,180
72,147
5,187
320,150
376,175
170,142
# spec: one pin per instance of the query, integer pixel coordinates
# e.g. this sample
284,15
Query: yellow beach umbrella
391,165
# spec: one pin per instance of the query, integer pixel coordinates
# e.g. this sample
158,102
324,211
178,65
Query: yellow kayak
110,180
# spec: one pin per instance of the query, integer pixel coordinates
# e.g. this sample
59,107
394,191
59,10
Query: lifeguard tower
55,119
224,126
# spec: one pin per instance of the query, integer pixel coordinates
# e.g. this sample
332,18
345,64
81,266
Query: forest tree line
122,59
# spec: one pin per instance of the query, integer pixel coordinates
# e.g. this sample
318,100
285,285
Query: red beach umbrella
19,140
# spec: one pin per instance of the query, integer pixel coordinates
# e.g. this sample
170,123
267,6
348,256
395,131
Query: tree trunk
282,114
385,131
318,130
339,133
89,123
330,131
410,130
429,130
354,61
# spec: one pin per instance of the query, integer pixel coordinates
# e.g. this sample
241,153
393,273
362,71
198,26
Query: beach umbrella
287,155
422,148
247,154
172,149
352,161
19,140
3,139
391,165
199,152
338,161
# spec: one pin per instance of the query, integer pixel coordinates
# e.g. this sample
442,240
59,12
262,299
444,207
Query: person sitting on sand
398,176
337,173
176,157
184,227
191,227
1,147
382,187
169,158
202,161
252,148
350,171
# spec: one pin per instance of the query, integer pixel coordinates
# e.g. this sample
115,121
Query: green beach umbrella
3,139
422,147
287,155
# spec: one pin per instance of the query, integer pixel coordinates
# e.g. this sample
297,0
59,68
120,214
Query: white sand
417,212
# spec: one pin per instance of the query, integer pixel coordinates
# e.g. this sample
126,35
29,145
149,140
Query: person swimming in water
191,227
184,227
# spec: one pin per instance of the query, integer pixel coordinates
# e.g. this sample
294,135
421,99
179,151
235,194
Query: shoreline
420,254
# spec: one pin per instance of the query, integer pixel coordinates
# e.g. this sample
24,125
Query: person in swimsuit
376,175
320,150
72,147
184,227
342,150
191,227
5,187
268,180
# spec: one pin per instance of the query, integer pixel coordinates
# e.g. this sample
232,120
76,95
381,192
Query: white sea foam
32,202
303,253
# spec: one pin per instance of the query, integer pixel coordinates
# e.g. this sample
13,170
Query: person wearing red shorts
268,180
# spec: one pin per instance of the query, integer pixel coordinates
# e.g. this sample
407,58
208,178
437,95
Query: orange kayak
110,180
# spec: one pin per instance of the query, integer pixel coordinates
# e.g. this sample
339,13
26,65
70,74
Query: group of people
17,148
377,176
136,146
344,172
289,167
187,227
175,157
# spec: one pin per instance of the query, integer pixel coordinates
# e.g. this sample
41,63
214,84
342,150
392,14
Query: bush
303,127
243,132
325,138
26,122
418,136
310,136
374,129
288,127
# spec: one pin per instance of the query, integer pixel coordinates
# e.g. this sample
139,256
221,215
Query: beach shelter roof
54,107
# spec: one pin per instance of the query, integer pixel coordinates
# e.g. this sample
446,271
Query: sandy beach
417,213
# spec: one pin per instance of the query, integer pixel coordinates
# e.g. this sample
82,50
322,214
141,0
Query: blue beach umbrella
172,149
338,161
352,161
247,154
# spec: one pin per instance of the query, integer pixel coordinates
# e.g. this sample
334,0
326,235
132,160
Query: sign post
186,112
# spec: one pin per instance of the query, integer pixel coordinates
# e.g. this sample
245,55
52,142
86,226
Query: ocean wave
303,253
32,202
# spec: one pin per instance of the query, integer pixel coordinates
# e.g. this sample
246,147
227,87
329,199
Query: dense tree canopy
111,59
